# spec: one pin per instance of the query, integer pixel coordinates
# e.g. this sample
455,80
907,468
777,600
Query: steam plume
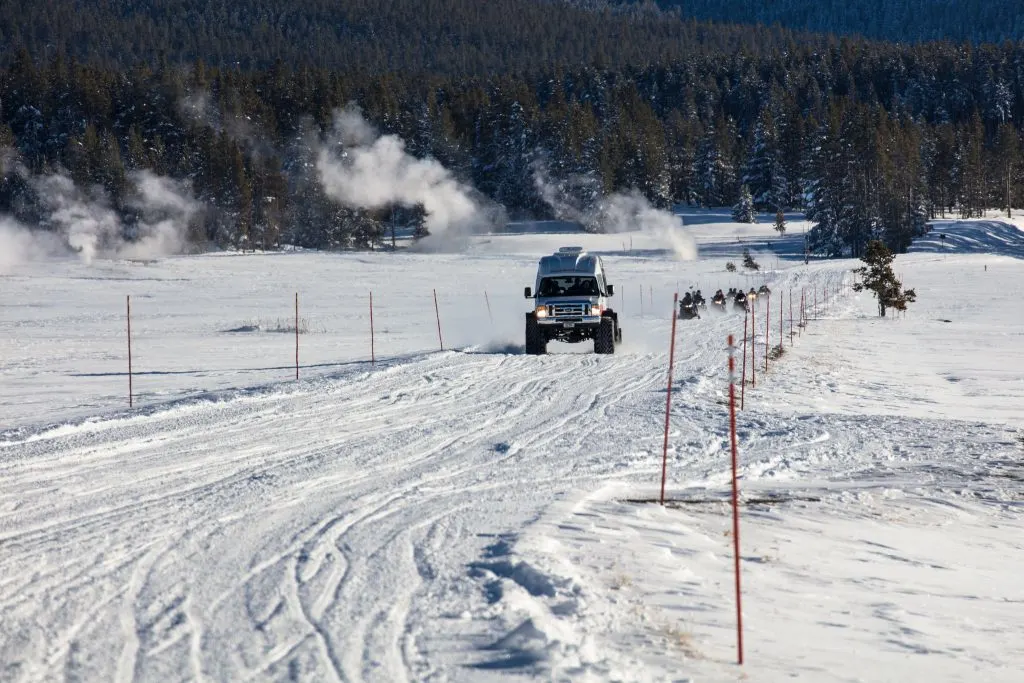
362,169
82,221
618,212
19,245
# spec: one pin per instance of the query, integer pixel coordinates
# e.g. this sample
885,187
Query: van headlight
595,310
542,311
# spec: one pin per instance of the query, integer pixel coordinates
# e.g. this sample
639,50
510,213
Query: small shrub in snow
621,581
730,266
748,261
780,222
279,325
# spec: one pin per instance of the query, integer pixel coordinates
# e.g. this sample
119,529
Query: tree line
870,139
977,21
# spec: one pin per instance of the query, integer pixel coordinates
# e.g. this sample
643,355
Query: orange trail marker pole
790,316
735,499
130,399
743,384
437,312
782,332
668,397
296,335
753,344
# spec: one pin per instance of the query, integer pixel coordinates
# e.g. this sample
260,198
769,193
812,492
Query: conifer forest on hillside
514,98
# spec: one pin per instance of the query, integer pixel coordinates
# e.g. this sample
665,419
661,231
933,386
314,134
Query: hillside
453,37
533,109
978,21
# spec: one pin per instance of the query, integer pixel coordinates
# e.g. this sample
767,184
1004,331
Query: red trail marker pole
130,399
743,383
753,344
803,314
668,395
373,355
790,316
489,315
782,332
641,301
296,335
437,312
767,327
735,499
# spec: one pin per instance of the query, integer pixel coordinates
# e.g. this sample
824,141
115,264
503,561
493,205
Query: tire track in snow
359,470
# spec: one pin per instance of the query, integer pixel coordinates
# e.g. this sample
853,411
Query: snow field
464,515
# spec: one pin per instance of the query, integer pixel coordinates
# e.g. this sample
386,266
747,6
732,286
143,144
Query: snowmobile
688,308
718,301
739,302
764,291
698,300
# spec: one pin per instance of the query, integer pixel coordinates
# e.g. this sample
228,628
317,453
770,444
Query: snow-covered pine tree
763,171
823,193
707,168
780,222
744,211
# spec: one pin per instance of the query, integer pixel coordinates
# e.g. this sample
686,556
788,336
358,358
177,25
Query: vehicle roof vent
570,250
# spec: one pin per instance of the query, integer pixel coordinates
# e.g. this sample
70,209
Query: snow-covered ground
465,515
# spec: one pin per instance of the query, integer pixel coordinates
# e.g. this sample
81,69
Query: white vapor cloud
87,222
167,207
362,169
19,245
618,212
83,221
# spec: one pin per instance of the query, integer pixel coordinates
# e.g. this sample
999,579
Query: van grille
569,310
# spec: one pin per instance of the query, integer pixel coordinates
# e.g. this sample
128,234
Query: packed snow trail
295,529
461,515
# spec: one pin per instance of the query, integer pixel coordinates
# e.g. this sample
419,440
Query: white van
571,303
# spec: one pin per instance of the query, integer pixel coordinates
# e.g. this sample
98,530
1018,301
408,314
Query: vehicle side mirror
528,293
611,290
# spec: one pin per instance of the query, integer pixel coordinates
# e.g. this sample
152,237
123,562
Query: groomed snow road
306,531
461,515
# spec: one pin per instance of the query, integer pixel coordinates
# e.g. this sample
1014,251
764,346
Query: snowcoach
571,303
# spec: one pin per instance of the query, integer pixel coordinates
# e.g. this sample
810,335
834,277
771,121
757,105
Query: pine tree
1007,151
708,171
748,261
764,172
744,211
877,276
780,222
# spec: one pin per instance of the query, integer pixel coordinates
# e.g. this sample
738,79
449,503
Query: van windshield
568,285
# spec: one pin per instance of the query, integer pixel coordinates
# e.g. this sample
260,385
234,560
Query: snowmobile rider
698,299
